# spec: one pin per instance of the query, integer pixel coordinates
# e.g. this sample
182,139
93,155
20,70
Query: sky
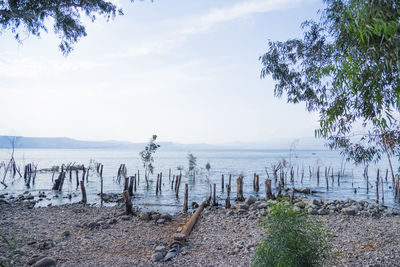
188,71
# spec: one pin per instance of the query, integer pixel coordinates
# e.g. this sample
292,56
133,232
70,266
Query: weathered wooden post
126,183
158,179
222,183
84,199
268,191
383,193
292,196
185,200
160,183
134,183
257,183
239,193
101,191
130,187
228,197
229,182
214,197
128,202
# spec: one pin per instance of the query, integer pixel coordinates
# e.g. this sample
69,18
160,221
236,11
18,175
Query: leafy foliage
347,68
192,162
147,157
33,15
293,239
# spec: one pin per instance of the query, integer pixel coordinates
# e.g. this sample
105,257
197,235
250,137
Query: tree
147,157
33,15
347,68
192,164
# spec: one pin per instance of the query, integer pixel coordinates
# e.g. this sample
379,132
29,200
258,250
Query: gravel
84,235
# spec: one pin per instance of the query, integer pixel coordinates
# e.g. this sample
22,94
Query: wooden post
327,183
128,203
126,183
377,190
160,183
222,183
257,183
84,173
169,175
228,197
138,182
158,180
101,191
292,196
383,193
279,190
178,185
185,200
254,182
84,199
209,195
214,198
239,193
268,191
134,183
318,175
172,183
130,188
229,182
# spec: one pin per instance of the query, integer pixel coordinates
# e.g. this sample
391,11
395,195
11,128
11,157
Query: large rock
349,211
250,200
300,204
144,216
157,256
304,190
46,262
241,206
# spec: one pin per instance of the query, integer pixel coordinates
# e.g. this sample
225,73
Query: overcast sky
188,71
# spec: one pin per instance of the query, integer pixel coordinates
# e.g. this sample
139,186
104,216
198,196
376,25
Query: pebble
125,217
157,256
46,262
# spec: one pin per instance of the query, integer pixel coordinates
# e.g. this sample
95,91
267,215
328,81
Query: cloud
240,10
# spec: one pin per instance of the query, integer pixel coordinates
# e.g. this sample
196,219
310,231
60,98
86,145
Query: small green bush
293,239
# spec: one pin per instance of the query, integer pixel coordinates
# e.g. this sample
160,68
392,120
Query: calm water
233,162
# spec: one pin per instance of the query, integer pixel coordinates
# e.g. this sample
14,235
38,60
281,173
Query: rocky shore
364,234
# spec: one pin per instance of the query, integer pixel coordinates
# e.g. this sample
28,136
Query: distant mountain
69,143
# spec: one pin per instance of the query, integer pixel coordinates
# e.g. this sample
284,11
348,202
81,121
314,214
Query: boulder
250,200
241,206
349,211
157,256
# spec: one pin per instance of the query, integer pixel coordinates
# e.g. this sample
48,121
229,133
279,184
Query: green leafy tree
31,16
192,164
347,68
147,157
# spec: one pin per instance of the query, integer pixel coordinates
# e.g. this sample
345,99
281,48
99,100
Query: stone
312,211
65,234
161,249
144,216
300,204
46,262
349,211
93,225
105,226
125,217
112,221
323,211
29,197
155,216
316,202
241,206
250,200
230,213
304,190
2,200
263,205
179,229
166,217
157,256
161,221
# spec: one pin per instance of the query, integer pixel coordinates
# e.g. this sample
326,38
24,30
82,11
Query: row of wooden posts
131,183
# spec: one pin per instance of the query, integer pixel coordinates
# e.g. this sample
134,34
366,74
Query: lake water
234,162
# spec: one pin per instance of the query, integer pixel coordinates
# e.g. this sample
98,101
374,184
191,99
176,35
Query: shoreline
85,235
